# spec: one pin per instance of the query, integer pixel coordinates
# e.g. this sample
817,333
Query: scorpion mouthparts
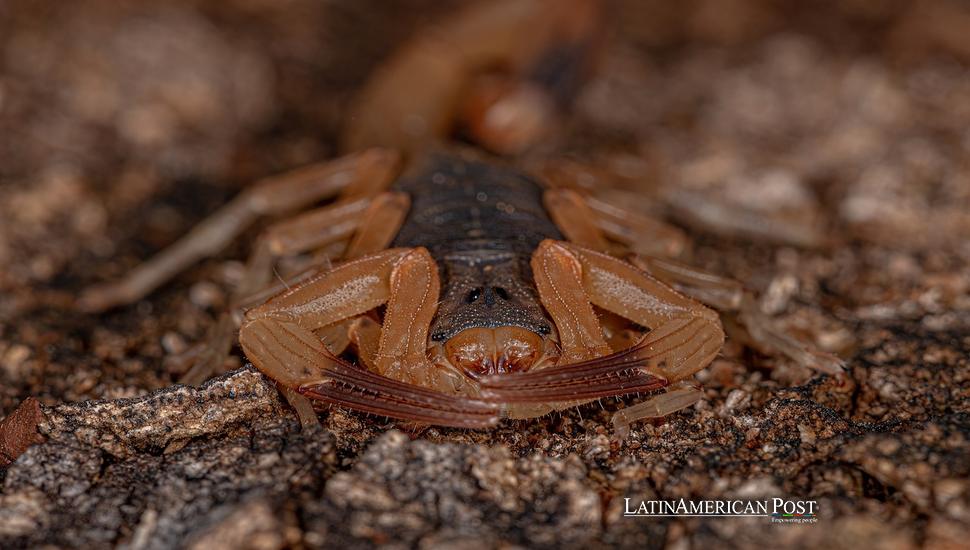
486,351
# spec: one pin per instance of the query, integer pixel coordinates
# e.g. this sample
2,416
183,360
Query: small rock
18,431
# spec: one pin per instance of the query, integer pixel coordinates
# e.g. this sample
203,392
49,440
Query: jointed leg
379,224
768,337
573,216
718,292
315,228
277,195
685,336
677,397
321,227
731,298
639,233
588,221
278,338
370,223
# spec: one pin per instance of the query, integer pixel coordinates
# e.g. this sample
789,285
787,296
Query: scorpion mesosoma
467,290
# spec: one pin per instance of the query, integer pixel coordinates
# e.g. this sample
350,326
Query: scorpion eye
473,295
502,293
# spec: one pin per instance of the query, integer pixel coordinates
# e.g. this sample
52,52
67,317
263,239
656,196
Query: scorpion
449,286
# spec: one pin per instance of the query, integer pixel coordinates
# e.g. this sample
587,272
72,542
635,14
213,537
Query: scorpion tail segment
500,60
629,371
297,359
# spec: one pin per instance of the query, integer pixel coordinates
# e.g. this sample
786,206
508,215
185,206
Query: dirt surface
841,130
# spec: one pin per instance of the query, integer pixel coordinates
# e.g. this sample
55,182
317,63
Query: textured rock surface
135,472
847,126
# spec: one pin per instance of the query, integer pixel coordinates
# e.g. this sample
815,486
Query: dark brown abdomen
460,204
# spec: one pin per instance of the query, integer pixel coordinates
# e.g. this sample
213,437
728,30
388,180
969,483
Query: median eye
473,295
502,293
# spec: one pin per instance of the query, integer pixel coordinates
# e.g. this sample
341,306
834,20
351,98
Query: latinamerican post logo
777,510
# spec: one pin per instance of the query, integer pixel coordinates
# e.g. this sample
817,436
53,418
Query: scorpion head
489,319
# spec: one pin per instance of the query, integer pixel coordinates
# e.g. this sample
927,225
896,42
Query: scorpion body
464,290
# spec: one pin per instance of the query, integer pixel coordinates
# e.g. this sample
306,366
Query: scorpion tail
496,71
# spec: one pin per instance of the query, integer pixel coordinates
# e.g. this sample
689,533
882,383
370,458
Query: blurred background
123,123
819,152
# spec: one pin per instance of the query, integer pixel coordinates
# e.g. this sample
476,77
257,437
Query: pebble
206,295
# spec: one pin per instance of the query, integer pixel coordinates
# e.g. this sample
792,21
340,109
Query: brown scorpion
466,290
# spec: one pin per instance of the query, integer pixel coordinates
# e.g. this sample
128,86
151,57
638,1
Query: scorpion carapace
463,290
480,222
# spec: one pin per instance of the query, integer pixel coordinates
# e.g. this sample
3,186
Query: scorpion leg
314,229
716,291
768,337
327,230
307,231
730,297
571,214
586,369
684,337
278,338
369,222
380,224
678,396
588,221
637,232
581,220
276,195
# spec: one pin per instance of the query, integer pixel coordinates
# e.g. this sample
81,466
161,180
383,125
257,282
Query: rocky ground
843,131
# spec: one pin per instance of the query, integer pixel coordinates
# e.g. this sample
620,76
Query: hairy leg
370,223
677,397
730,297
573,216
595,212
278,337
684,337
276,195
718,292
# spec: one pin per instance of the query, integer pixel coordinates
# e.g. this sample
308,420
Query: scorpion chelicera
466,289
